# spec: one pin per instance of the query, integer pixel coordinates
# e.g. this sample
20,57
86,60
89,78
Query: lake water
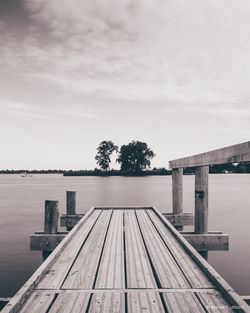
22,210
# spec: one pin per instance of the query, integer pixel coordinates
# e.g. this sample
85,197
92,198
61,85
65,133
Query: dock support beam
70,204
177,193
201,201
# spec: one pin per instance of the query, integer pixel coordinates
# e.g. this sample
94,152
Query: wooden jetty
132,259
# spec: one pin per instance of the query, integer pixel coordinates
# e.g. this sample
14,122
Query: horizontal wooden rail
231,154
213,241
184,219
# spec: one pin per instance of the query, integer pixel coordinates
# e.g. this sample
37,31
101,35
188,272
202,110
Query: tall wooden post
177,193
70,204
51,217
201,202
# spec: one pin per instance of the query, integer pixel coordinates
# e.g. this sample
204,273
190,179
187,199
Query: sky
172,73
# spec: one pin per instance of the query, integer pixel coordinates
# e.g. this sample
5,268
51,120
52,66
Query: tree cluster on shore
135,160
133,157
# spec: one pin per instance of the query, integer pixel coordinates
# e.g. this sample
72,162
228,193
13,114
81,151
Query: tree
135,156
104,151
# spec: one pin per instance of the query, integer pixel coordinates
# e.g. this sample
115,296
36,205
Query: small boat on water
25,174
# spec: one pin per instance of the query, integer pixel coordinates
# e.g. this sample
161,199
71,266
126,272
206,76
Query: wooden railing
232,154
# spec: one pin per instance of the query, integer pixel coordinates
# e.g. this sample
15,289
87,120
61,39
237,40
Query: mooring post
70,204
51,217
177,193
201,202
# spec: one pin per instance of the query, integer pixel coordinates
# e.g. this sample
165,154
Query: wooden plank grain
145,301
111,270
227,291
108,302
38,302
192,272
68,301
165,267
230,154
83,272
139,272
55,276
21,296
182,302
214,302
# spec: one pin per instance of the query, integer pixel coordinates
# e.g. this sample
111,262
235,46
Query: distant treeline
32,171
214,169
98,172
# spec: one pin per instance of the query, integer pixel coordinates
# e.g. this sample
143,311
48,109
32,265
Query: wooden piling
177,193
70,204
177,174
51,217
201,202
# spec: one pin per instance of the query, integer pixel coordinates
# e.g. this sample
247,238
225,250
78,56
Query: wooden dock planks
111,272
139,271
83,272
166,270
193,274
123,260
56,275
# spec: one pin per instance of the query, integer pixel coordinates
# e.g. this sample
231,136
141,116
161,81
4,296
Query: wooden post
71,204
177,175
51,217
201,201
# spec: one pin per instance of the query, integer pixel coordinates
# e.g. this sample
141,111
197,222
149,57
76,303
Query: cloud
22,109
173,51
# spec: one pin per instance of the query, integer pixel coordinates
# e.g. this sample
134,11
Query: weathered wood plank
139,272
214,302
70,220
38,302
232,154
192,272
83,272
108,302
165,267
45,242
228,293
184,219
67,301
20,297
55,276
111,271
182,302
208,242
145,301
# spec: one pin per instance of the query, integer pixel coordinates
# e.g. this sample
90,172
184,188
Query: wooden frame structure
201,162
144,239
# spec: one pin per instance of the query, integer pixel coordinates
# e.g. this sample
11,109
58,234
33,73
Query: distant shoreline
243,168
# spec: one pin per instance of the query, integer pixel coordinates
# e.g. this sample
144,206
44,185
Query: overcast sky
172,73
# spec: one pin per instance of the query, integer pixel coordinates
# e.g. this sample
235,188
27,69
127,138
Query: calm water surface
22,209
